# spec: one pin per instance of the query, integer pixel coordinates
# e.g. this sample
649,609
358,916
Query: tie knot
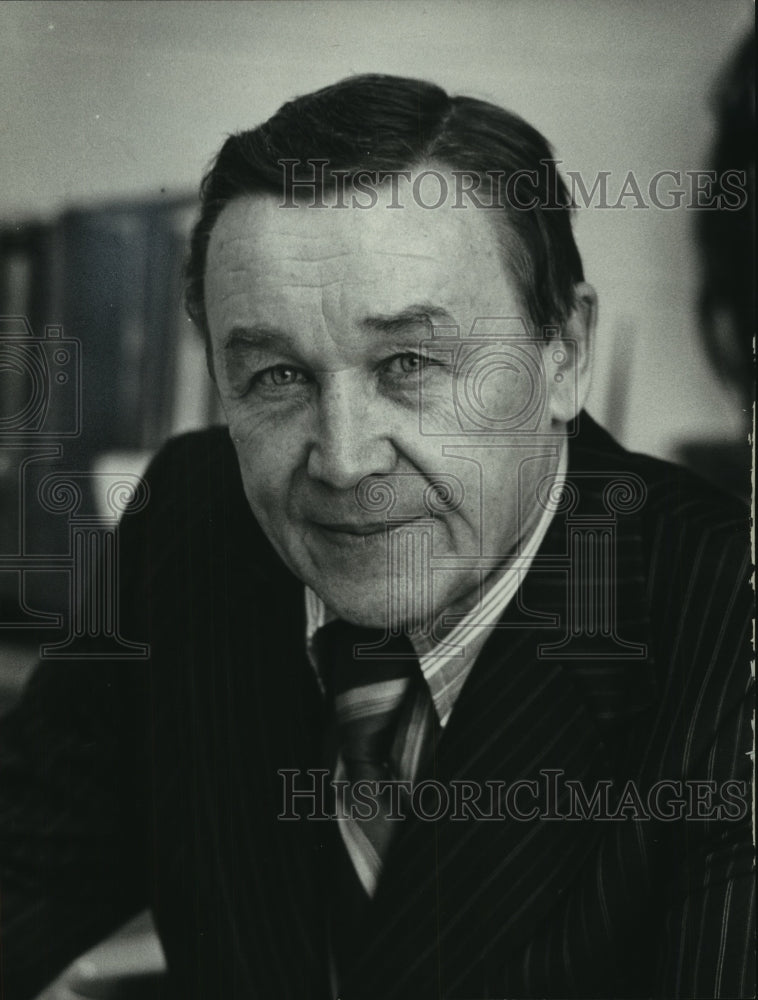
369,675
351,656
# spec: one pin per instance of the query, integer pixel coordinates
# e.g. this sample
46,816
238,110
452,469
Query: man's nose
351,437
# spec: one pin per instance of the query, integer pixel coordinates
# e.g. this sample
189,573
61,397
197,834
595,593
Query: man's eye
279,376
408,364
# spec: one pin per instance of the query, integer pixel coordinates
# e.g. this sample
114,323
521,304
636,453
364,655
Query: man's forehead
372,292
281,226
283,266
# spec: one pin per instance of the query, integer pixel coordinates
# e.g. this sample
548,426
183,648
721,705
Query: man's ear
569,359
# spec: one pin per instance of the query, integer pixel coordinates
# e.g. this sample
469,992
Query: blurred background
112,111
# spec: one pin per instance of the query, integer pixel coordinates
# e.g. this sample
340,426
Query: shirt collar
447,664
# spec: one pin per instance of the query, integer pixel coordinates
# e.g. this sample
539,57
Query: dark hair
389,123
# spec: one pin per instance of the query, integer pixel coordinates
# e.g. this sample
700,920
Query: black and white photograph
376,422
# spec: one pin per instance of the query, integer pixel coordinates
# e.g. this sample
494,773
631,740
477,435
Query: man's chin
357,608
355,584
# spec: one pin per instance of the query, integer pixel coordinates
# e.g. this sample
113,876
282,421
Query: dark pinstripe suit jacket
129,784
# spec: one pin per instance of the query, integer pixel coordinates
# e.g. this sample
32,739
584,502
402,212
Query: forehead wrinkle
320,259
315,285
267,256
297,258
409,255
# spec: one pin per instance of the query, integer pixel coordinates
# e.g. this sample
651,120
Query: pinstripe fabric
123,785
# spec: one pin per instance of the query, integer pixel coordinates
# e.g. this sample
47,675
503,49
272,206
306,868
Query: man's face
317,317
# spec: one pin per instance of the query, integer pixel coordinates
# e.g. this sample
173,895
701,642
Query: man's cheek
255,480
438,411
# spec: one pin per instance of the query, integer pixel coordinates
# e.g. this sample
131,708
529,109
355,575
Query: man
416,568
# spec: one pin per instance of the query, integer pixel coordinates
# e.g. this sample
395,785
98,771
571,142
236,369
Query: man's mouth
352,527
359,530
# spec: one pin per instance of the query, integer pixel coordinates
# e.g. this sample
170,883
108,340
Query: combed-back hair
389,123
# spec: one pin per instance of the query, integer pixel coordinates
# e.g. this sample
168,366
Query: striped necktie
384,722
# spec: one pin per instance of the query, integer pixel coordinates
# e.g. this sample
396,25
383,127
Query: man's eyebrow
262,336
412,316
256,336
